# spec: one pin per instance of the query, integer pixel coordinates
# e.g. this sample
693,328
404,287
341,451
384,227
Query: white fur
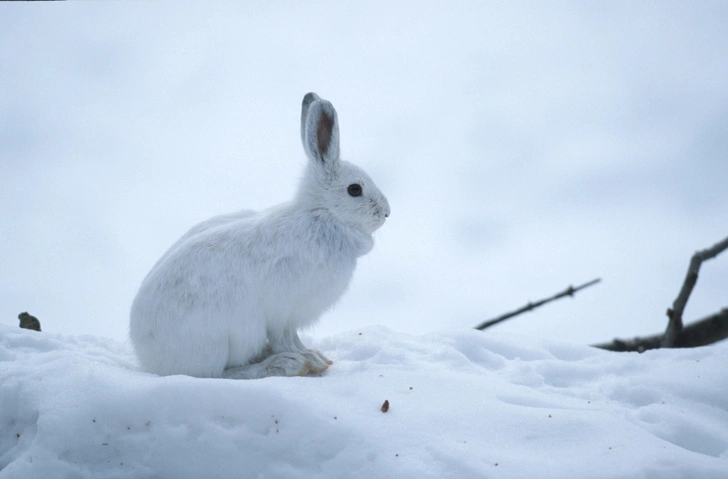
228,297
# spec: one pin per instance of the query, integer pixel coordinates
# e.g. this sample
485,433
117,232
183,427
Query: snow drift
461,404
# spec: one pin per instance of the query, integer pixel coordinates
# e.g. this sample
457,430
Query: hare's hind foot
281,364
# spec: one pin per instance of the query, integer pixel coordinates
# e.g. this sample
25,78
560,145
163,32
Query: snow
463,404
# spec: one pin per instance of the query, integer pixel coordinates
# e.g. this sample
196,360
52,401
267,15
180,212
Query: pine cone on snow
28,321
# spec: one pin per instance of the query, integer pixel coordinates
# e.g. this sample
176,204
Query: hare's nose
387,211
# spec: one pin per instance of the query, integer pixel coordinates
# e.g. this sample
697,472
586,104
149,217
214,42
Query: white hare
227,299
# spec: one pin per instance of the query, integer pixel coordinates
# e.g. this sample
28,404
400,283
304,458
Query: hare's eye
354,189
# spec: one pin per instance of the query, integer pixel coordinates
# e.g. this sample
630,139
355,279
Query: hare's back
218,221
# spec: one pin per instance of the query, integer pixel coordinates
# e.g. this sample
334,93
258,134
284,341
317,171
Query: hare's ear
321,137
307,100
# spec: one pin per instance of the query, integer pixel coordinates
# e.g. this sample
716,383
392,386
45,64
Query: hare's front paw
281,364
319,362
287,364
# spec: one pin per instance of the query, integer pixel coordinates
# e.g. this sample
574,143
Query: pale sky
523,146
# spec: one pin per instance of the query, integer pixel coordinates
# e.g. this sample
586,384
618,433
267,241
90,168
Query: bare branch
567,292
675,324
706,331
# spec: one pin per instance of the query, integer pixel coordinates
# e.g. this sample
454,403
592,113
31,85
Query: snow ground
462,404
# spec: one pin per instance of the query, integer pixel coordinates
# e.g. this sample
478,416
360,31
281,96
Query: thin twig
567,292
705,331
675,324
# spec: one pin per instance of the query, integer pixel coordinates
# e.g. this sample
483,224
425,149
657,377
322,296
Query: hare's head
340,187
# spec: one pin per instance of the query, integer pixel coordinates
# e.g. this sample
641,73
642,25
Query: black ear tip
309,98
